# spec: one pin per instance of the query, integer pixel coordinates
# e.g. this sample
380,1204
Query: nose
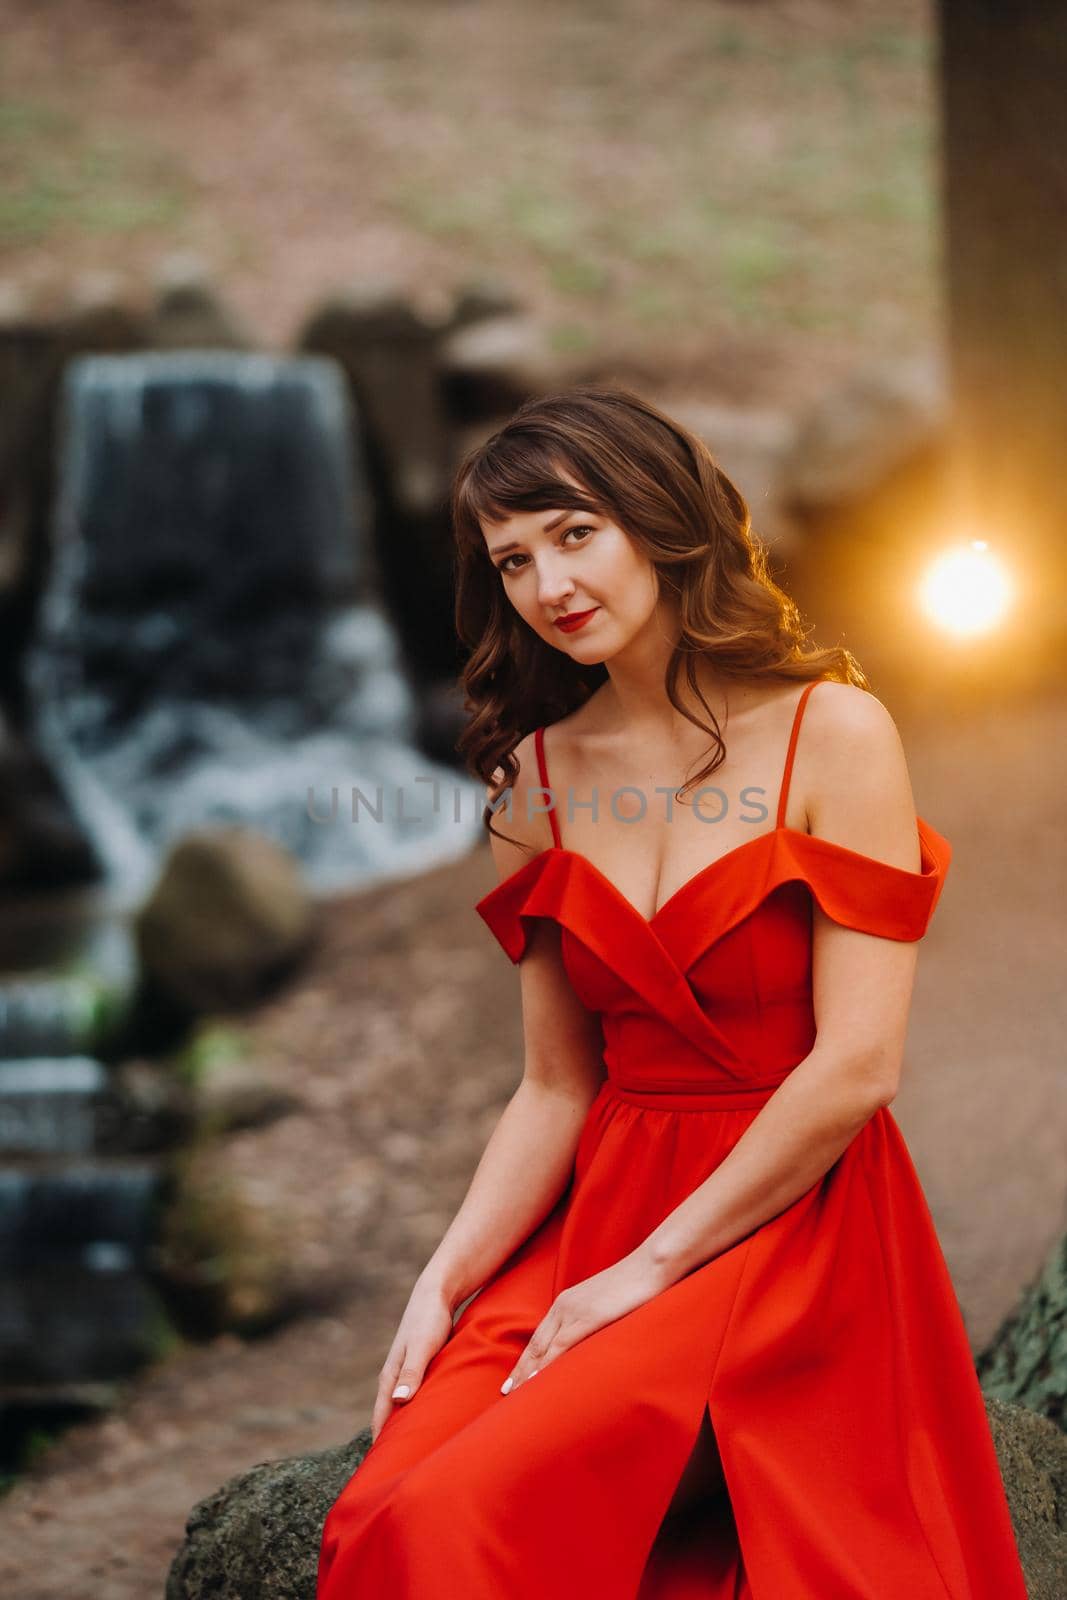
552,592
553,583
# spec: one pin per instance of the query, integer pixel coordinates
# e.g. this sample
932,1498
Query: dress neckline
701,872
828,847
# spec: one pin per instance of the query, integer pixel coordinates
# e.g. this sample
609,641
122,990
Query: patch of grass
901,46
571,336
657,304
539,215
812,317
57,175
579,275
753,256
212,1044
649,246
731,42
22,121
459,212
35,1444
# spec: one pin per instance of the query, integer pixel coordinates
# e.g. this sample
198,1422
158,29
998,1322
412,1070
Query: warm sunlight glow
967,590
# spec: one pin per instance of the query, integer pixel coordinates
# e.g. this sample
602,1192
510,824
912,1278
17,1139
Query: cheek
523,596
629,564
635,586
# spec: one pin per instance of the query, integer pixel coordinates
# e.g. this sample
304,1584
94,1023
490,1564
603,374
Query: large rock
259,1535
388,351
229,1256
229,913
189,313
1033,1462
37,341
863,433
491,366
749,444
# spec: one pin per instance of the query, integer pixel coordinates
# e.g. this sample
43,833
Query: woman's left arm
859,795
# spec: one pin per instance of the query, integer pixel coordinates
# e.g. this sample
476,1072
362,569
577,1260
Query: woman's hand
424,1328
583,1308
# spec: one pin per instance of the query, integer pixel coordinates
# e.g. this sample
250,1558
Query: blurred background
266,273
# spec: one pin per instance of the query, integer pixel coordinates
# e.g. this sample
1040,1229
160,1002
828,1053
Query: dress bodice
718,981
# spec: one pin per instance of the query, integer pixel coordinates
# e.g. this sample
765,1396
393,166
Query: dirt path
403,1039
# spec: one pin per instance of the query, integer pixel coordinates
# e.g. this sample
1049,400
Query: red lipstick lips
575,620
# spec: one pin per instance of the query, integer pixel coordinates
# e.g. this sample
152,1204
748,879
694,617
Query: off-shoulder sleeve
501,909
859,891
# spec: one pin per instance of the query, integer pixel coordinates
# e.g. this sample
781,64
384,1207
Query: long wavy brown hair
661,485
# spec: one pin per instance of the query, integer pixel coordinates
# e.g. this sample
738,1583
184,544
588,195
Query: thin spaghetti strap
542,769
788,772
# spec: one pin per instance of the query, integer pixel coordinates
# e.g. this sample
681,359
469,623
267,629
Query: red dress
827,1345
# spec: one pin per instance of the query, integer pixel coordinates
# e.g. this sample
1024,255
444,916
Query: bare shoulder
855,775
519,812
840,716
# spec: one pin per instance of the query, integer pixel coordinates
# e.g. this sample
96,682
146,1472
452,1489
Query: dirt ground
402,1039
737,201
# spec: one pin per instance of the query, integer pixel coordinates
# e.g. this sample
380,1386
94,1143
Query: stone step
77,1322
66,1211
59,1015
57,1105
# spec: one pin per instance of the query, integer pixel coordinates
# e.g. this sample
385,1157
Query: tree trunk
1003,76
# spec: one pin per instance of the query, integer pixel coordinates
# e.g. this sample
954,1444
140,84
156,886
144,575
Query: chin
589,653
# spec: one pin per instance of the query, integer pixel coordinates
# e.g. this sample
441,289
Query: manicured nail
401,1391
504,1387
535,1371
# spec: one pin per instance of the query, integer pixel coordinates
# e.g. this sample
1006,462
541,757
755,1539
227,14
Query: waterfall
211,645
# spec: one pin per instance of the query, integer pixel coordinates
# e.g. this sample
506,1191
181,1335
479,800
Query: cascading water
210,645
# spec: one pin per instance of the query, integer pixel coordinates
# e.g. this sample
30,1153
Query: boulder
189,313
1033,1463
228,1254
231,1095
229,913
862,434
388,351
387,348
482,296
259,1535
491,366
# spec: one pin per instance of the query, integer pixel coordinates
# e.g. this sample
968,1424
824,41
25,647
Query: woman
713,1347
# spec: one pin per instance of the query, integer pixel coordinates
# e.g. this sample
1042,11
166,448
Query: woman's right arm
529,1157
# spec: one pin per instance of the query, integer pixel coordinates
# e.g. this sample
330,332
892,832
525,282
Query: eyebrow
513,544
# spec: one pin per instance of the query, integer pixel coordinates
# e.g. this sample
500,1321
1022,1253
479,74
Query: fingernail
504,1387
401,1391
535,1371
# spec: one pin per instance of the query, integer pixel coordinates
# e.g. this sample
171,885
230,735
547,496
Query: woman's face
558,564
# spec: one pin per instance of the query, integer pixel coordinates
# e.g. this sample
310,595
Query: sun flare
967,591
